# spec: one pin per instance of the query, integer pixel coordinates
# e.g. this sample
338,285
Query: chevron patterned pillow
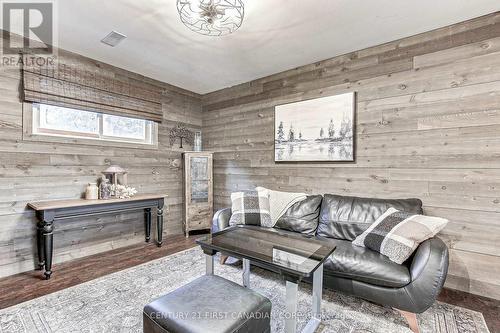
397,234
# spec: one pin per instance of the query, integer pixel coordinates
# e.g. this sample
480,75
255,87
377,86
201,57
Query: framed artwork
316,130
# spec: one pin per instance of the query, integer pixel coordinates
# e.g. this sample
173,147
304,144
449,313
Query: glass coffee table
294,256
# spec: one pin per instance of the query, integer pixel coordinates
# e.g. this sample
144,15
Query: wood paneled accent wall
32,170
428,126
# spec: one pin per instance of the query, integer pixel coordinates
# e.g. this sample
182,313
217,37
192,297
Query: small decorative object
175,164
315,130
211,17
182,133
104,189
116,175
122,191
92,192
197,141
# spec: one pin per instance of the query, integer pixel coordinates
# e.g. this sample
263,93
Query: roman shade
93,86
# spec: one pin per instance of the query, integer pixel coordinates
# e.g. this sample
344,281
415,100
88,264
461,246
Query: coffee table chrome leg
314,322
210,264
291,307
246,273
317,292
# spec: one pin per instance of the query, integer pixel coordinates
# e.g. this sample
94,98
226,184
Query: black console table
50,211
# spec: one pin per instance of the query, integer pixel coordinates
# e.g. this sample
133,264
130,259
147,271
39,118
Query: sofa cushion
365,265
346,217
250,207
397,234
280,201
302,216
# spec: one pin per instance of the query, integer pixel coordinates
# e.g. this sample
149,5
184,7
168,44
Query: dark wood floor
25,286
490,308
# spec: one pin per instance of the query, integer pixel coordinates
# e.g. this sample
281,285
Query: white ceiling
276,35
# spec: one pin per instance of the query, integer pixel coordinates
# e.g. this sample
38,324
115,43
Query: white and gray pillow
396,234
280,201
251,208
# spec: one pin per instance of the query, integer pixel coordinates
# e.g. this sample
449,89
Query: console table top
68,203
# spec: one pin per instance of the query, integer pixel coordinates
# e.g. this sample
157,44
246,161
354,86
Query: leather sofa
410,288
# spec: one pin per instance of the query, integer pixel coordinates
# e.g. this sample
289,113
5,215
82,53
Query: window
60,121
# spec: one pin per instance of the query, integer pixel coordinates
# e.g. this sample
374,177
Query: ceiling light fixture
211,17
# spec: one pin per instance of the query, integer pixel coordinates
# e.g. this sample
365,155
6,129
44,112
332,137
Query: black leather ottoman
209,304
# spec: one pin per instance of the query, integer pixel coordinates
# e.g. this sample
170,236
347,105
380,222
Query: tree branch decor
182,133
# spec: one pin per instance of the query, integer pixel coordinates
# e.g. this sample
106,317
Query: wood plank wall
428,126
39,171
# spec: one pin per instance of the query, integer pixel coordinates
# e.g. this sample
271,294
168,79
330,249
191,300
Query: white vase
197,141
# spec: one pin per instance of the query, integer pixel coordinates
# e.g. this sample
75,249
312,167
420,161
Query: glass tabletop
292,253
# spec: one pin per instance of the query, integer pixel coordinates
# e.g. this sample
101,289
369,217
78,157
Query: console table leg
48,237
39,245
246,273
159,225
147,212
291,307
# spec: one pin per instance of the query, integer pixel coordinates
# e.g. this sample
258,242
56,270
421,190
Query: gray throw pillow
251,208
397,234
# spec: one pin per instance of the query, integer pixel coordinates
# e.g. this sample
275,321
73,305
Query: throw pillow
397,234
280,201
251,208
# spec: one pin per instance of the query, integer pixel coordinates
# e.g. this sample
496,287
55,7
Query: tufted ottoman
208,304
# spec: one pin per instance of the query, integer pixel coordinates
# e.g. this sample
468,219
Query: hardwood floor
29,285
25,286
490,308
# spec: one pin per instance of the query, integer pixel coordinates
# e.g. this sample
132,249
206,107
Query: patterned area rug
114,303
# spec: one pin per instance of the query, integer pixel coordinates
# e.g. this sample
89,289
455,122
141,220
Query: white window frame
35,130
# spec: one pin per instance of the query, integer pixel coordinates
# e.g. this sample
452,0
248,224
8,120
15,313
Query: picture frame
316,130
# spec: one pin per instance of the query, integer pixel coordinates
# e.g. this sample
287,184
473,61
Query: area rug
114,303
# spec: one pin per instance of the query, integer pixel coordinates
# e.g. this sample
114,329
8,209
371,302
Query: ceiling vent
113,38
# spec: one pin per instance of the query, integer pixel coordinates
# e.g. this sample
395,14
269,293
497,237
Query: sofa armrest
428,271
220,220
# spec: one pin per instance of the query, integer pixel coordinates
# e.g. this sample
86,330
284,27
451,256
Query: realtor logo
33,21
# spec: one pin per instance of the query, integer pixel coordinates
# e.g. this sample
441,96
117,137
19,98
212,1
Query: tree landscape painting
315,130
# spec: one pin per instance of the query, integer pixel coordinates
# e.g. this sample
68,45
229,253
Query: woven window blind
88,85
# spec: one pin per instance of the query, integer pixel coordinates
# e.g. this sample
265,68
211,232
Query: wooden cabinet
198,191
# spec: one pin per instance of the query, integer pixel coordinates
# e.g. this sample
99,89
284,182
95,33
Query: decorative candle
92,191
